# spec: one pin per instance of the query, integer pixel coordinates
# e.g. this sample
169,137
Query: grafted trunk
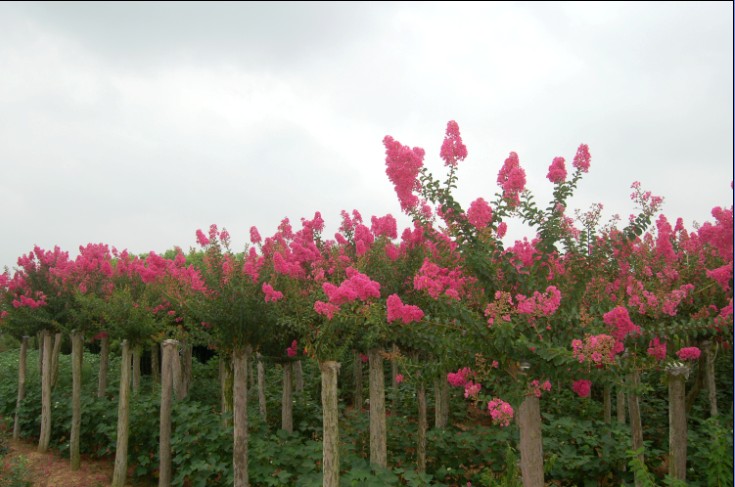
677,423
155,364
441,403
167,379
298,376
634,411
225,377
186,369
104,366
422,427
45,436
531,446
39,346
330,423
620,406
262,403
287,399
136,369
709,363
357,374
240,399
176,372
55,359
119,473
378,441
22,362
77,350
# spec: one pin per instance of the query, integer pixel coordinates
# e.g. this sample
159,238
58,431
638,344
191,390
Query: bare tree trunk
262,403
531,446
709,363
620,406
39,345
55,359
634,411
441,403
176,373
77,351
607,404
164,453
298,375
104,366
422,427
393,383
155,364
123,409
378,441
225,376
287,399
357,374
22,362
136,369
45,435
186,369
330,413
240,399
677,423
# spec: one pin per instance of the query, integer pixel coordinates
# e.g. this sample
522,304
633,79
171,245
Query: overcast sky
135,124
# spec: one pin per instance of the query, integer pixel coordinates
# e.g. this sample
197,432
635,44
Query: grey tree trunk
677,422
176,373
170,348
225,376
287,399
123,409
45,436
393,383
422,427
39,346
357,374
709,363
378,440
240,399
634,411
22,362
155,364
186,369
330,423
441,403
55,359
136,369
104,366
531,447
77,351
620,406
262,403
298,377
607,404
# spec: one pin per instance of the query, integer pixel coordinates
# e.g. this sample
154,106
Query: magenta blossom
202,239
403,166
453,150
689,353
479,214
500,411
582,158
557,172
657,349
582,387
399,378
396,310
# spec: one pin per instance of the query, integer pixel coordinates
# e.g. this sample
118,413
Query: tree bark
287,399
607,404
262,403
186,369
709,363
393,383
176,374
422,427
298,375
77,351
441,403
225,376
22,361
39,346
620,406
123,409
531,447
45,436
104,366
155,364
378,441
164,453
330,413
55,360
136,369
240,399
634,411
357,374
677,422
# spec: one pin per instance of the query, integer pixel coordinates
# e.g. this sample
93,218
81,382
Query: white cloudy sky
134,124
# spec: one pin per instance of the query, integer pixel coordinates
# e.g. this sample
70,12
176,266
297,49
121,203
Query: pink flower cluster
557,171
271,295
582,158
536,387
453,150
595,349
437,280
407,313
540,304
326,309
500,411
471,389
619,321
385,225
460,378
27,302
479,213
500,308
356,286
582,387
402,167
689,353
399,378
657,349
293,349
512,178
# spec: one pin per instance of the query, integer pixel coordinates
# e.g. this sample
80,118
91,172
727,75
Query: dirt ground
51,470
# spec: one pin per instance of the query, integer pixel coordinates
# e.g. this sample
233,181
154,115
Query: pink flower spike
582,158
689,353
582,387
557,171
453,150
